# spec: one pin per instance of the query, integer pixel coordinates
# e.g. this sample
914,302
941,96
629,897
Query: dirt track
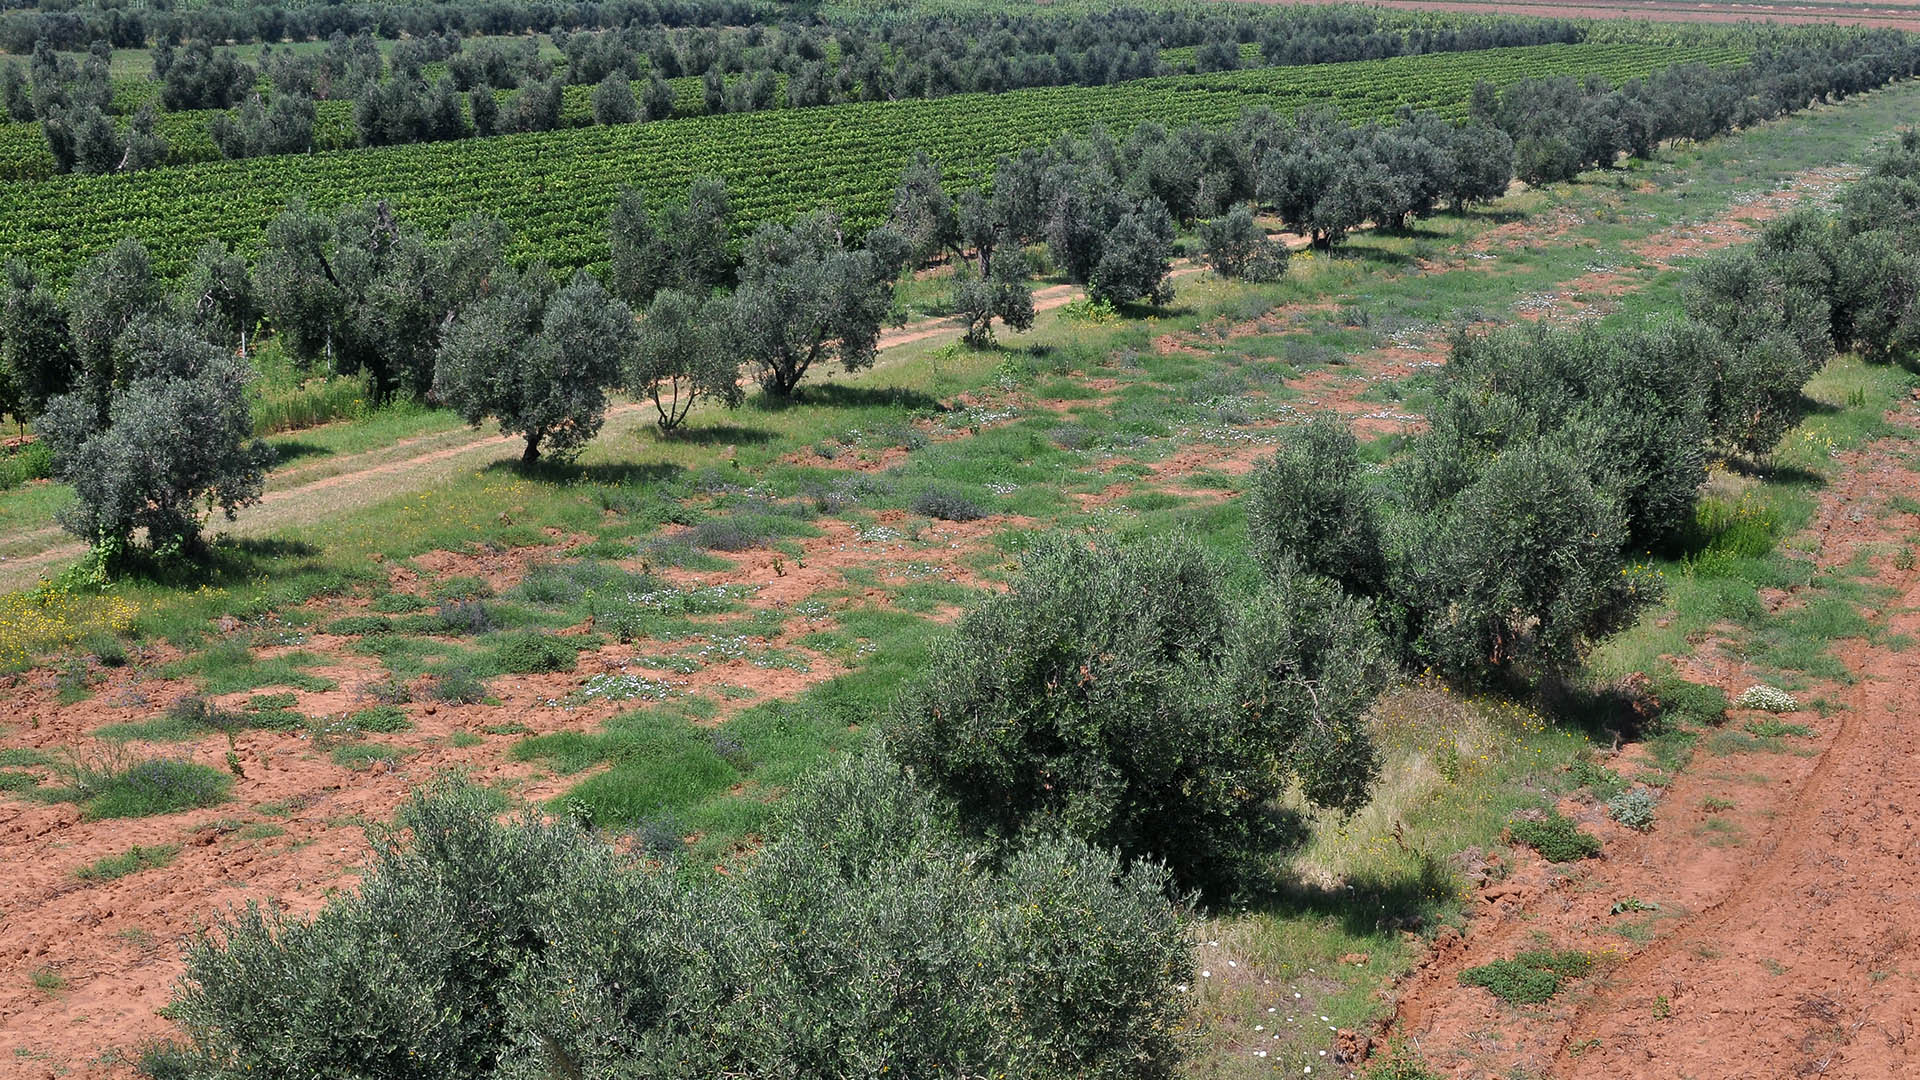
1787,937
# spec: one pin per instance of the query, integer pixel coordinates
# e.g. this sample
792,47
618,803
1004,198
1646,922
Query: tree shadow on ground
835,395
1367,903
612,474
286,452
719,435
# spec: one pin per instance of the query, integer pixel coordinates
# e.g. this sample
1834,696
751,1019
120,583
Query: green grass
1529,978
118,788
230,667
1556,838
132,861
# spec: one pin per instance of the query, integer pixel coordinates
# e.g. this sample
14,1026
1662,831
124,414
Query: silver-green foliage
1127,696
537,359
865,939
175,438
683,354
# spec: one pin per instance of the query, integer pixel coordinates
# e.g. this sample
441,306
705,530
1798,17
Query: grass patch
111,788
132,861
529,652
1555,837
1529,978
230,667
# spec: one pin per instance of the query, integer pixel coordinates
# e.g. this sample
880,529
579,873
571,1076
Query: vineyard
551,189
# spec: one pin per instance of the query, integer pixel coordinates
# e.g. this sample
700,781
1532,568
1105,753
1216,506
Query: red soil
1786,936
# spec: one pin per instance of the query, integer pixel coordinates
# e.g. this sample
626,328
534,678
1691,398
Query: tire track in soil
1789,952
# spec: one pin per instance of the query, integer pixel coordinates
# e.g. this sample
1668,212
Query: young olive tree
1135,258
1004,295
536,358
1124,696
175,438
805,297
1237,247
1310,507
684,354
36,343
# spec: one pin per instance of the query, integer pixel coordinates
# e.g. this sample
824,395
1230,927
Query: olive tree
1310,507
536,358
1004,295
175,439
683,354
1124,695
1235,246
805,297
36,343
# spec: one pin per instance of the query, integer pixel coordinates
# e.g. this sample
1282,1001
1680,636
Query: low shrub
529,652
947,506
1633,808
1530,977
357,625
1555,837
467,617
458,686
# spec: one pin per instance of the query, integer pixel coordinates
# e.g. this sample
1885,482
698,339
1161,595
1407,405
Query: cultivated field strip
552,189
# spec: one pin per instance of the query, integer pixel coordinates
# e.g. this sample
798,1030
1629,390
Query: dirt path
1787,936
346,485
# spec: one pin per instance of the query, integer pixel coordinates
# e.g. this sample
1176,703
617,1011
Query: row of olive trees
1504,540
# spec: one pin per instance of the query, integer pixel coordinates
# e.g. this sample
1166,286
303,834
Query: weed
1774,729
947,506
109,867
461,740
1530,977
1631,903
399,603
107,787
1662,1008
1713,804
530,652
1633,808
45,978
1766,698
384,719
358,625
1555,837
18,781
361,756
1597,778
462,588
387,692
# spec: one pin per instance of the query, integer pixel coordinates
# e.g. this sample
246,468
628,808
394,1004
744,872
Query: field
552,188
660,639
1895,16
